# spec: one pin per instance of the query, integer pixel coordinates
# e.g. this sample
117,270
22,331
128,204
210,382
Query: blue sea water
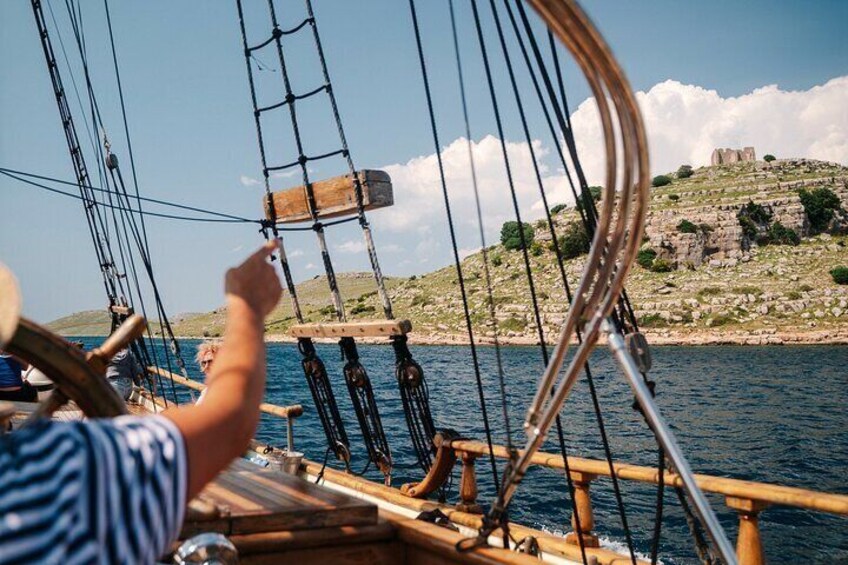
770,414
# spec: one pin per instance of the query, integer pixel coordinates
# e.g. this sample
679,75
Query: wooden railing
747,498
288,413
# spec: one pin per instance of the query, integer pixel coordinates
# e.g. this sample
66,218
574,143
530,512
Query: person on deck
206,352
124,370
114,490
12,385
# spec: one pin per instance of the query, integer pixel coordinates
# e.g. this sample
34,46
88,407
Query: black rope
457,262
225,215
365,407
490,302
117,207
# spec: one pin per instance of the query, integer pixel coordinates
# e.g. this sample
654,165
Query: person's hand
255,281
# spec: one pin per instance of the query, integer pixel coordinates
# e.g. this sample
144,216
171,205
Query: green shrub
327,310
840,275
511,235
558,208
705,228
769,158
512,324
805,288
749,228
793,295
594,192
747,290
685,226
420,300
646,257
779,234
674,197
535,249
362,309
710,291
574,242
660,180
652,321
819,205
722,319
684,172
757,212
662,266
497,260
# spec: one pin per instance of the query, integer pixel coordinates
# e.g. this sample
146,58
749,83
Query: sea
774,414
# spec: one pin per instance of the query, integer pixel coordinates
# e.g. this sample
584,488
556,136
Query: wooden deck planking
251,500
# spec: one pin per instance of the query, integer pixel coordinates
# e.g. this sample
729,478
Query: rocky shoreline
655,337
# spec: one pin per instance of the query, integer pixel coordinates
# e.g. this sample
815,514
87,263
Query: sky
771,75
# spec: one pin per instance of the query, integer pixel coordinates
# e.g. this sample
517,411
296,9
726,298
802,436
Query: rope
458,265
229,217
490,302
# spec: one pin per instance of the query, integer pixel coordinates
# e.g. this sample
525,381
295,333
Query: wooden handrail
548,542
287,412
761,492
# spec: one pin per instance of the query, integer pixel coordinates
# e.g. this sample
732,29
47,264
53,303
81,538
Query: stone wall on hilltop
730,156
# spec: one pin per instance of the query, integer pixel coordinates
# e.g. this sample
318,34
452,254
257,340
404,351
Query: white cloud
285,174
350,246
248,181
686,122
419,205
309,266
295,253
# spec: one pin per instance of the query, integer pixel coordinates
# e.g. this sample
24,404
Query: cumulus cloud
419,205
351,246
686,122
248,181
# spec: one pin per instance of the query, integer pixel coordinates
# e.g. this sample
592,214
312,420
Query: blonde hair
206,347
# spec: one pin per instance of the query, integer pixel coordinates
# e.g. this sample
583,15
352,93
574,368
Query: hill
88,322
721,282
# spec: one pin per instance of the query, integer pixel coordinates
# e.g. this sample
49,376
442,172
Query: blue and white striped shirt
101,491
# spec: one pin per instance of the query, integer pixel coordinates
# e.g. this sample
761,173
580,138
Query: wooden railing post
468,485
583,503
749,544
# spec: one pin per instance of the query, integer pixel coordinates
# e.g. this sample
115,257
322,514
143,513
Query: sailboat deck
247,499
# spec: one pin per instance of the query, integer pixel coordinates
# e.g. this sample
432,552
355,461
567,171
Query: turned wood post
468,485
583,503
749,544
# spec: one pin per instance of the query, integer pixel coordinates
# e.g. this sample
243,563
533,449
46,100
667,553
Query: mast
117,301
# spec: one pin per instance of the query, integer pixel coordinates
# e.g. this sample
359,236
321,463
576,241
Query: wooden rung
333,197
381,328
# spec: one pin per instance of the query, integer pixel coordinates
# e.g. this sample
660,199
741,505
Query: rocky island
733,253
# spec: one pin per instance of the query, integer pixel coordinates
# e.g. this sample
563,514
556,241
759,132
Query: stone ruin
727,156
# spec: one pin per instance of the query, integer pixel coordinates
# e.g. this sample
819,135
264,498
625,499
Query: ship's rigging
116,216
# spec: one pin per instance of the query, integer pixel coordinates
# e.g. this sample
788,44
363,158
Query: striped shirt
101,491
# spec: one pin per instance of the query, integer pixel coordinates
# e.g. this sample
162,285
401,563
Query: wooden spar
333,198
379,328
547,542
439,471
294,411
771,494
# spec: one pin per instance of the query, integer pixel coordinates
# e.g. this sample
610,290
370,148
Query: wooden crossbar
333,197
380,328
